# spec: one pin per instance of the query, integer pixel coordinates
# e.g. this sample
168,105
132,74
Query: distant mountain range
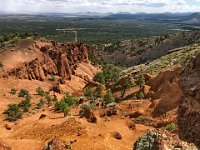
192,18
189,18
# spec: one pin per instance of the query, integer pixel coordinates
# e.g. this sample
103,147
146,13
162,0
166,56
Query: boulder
116,135
42,116
110,111
57,144
7,126
135,114
89,115
131,124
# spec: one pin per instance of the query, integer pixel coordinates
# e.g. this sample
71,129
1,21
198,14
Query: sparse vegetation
127,84
13,91
98,91
89,93
110,73
40,104
170,127
140,95
109,98
141,80
23,93
92,106
99,77
63,107
93,93
25,105
40,91
69,100
13,112
48,98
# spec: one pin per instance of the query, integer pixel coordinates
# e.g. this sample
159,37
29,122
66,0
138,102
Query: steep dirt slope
134,52
32,133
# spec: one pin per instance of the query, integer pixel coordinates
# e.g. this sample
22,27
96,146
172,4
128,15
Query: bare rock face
61,60
189,109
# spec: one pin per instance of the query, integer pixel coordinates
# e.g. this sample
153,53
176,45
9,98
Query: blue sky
71,6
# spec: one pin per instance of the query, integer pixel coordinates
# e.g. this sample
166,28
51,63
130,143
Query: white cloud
97,5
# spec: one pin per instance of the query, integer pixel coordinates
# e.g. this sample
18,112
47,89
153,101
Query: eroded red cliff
61,60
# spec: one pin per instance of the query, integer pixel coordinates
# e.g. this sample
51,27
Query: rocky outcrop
189,110
57,144
161,140
61,60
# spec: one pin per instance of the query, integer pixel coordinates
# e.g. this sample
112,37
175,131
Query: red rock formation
165,92
61,60
189,110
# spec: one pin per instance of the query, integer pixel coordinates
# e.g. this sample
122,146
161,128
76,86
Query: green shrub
147,141
140,95
99,77
89,93
129,83
70,101
25,105
141,81
170,127
83,109
23,93
98,91
48,98
93,106
63,107
40,104
40,91
109,98
13,91
13,112
55,99
110,73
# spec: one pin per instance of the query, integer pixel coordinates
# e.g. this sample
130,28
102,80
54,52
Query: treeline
96,31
